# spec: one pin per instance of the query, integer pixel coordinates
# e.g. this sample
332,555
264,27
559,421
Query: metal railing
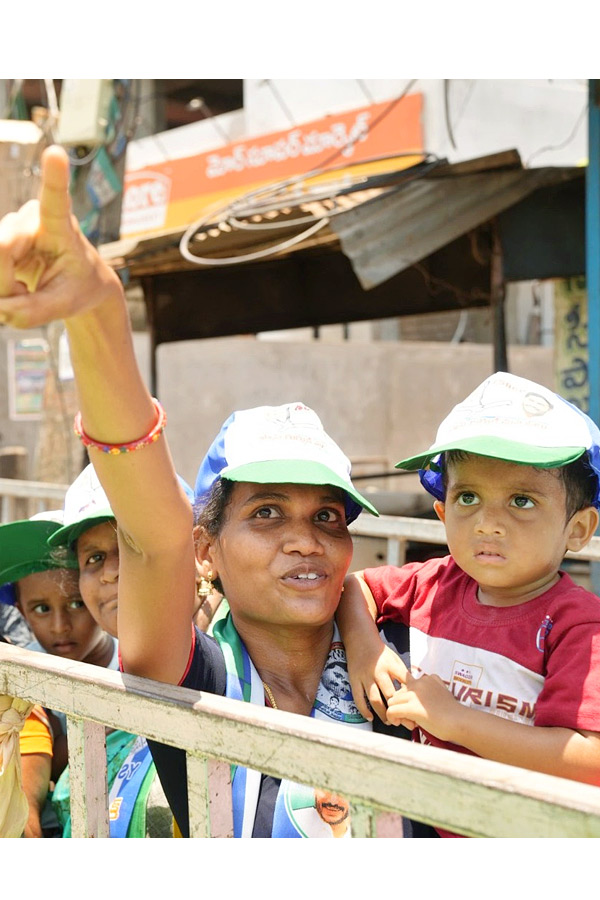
382,776
400,531
22,499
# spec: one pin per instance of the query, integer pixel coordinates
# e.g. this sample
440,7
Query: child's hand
374,676
426,702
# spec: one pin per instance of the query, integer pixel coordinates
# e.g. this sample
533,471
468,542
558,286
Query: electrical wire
560,146
16,86
257,254
51,98
269,203
436,286
88,158
447,112
207,113
272,191
365,90
278,97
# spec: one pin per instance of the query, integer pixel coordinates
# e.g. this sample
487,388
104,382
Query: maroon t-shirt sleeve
570,696
393,590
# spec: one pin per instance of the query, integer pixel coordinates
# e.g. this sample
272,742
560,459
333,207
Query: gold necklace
269,694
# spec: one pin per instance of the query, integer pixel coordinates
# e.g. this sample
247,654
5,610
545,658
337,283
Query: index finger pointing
55,201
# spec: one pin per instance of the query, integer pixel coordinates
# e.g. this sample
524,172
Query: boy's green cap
24,549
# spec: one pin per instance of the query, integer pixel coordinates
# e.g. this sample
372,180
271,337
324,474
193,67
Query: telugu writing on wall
571,341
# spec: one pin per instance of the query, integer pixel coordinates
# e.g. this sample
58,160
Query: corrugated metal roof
382,226
395,231
259,221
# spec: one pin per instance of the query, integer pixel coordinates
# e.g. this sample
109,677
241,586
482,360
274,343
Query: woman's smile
305,577
280,543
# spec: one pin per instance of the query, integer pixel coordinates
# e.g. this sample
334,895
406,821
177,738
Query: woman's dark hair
579,479
210,514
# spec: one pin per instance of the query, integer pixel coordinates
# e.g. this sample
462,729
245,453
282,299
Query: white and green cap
86,505
278,445
512,419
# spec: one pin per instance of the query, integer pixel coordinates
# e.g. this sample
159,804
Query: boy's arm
35,773
553,750
372,666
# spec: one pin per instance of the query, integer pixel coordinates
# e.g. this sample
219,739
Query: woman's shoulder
206,668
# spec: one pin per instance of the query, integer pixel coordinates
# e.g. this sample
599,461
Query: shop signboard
383,137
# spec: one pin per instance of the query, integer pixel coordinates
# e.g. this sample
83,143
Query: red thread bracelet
113,449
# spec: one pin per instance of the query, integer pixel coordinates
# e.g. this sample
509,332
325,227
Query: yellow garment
13,803
36,736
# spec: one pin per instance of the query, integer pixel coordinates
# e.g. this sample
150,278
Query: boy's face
98,558
52,605
506,527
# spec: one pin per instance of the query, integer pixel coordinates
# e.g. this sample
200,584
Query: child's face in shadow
506,527
52,606
98,559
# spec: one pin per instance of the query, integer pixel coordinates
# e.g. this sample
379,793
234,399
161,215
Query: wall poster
28,366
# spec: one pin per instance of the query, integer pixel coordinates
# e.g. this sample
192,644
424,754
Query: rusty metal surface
387,235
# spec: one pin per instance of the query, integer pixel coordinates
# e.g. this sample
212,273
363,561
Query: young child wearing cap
138,806
43,586
500,638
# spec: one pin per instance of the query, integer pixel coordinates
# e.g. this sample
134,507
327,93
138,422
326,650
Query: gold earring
205,588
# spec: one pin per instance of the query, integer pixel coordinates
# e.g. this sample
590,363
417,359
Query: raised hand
48,269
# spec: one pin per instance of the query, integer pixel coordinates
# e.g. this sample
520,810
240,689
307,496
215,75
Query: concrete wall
381,400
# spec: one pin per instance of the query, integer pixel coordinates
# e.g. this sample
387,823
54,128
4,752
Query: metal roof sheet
386,236
382,226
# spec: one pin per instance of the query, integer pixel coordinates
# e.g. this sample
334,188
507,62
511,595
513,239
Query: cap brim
295,471
24,550
68,535
498,448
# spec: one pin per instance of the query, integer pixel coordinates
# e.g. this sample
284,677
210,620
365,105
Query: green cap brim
67,535
24,550
498,448
295,471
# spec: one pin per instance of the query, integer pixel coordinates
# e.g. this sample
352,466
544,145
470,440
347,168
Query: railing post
13,464
362,821
396,551
87,778
209,797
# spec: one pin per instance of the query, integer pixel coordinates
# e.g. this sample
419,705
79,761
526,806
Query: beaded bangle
113,449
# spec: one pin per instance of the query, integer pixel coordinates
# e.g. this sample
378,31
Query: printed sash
125,789
300,811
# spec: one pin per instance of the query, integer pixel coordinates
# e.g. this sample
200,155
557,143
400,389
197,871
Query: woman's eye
41,608
266,512
328,515
523,502
467,498
76,604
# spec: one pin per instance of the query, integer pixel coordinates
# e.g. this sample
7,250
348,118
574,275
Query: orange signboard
382,137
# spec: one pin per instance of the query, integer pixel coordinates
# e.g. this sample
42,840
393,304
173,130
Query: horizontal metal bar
460,793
